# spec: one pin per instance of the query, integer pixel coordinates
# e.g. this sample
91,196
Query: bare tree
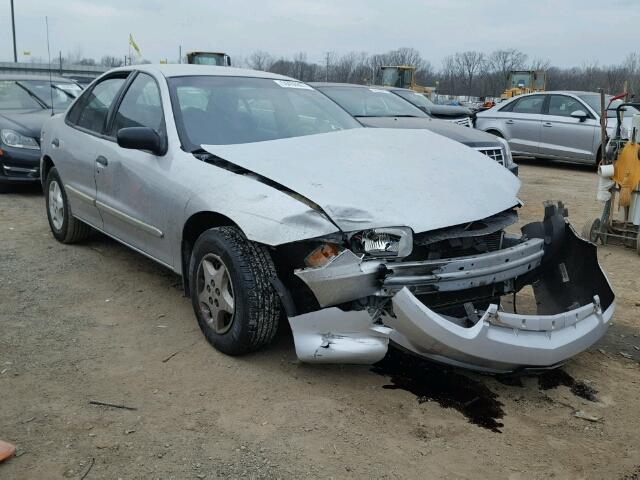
469,64
504,61
110,61
260,60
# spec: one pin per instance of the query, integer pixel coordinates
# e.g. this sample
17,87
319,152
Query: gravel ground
97,322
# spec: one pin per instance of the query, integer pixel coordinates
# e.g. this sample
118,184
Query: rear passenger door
522,124
132,192
564,136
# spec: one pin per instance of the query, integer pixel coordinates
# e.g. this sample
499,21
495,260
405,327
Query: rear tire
232,297
64,226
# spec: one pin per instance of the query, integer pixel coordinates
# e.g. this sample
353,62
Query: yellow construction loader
403,76
525,81
219,59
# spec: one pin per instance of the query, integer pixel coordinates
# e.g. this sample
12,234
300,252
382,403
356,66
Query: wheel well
47,164
495,132
193,228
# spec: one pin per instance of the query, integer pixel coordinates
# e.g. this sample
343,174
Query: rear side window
531,104
140,106
92,113
564,106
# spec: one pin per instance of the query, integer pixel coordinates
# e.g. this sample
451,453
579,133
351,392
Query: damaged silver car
273,203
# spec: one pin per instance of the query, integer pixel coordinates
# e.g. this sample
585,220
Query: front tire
232,297
64,226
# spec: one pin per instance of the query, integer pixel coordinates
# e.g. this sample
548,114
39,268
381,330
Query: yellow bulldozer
525,81
402,76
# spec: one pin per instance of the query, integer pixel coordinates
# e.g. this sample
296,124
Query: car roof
21,76
187,70
559,92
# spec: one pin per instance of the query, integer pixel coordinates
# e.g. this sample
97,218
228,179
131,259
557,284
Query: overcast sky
567,32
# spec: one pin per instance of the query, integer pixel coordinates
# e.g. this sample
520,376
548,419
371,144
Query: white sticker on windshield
291,84
377,90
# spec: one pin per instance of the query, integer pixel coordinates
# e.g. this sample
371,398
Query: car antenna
46,21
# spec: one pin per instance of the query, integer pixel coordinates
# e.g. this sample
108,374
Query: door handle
547,124
102,161
55,142
509,122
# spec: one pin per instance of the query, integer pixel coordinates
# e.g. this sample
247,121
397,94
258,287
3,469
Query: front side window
371,102
221,110
140,106
92,113
532,104
563,106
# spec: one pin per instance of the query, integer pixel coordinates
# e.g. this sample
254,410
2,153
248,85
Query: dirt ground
97,322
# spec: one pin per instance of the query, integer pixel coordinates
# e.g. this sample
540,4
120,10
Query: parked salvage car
378,107
451,113
25,103
562,125
272,202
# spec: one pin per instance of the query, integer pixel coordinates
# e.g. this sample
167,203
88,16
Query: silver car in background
562,125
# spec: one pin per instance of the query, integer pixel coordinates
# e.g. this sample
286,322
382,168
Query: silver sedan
558,125
274,204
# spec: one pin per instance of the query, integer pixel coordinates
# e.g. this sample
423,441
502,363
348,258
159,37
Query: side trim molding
150,229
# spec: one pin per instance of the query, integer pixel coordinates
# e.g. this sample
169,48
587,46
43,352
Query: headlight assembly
383,242
11,138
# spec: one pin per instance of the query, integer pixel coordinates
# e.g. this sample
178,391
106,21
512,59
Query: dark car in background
378,107
26,101
451,113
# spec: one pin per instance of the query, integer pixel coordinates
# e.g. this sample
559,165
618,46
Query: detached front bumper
574,301
499,341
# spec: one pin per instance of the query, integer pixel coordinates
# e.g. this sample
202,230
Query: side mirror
580,114
140,138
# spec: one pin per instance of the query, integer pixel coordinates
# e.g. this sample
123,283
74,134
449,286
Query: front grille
463,121
493,153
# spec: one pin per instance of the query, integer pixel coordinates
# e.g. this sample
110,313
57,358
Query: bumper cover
574,303
19,165
499,341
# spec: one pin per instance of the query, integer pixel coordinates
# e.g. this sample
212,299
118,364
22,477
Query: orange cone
6,450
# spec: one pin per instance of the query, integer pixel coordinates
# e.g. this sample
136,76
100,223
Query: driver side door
132,193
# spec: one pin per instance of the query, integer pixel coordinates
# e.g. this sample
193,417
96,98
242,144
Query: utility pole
13,29
326,70
179,53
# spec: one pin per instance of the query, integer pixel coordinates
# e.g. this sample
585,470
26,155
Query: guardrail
43,69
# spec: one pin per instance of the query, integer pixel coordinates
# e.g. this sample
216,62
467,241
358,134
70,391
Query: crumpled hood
366,178
26,122
469,136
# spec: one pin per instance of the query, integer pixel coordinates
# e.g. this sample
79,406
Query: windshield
15,97
594,102
415,98
62,93
218,110
371,102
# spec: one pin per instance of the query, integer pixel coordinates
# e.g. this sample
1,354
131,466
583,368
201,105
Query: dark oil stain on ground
433,382
557,377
